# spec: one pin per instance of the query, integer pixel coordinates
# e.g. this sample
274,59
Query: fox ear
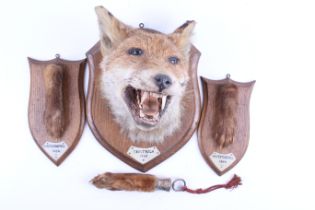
112,31
181,36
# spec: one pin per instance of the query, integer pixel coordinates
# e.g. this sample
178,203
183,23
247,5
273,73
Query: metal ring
141,25
228,76
57,55
178,187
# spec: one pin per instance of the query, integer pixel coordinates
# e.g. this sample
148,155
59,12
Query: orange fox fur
122,70
225,121
125,181
54,110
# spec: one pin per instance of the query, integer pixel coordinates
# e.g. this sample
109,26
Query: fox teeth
138,99
144,96
141,114
163,102
156,95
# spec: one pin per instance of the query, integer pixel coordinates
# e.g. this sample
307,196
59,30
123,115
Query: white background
271,41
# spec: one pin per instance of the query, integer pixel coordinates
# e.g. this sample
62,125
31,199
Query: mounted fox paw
54,110
225,122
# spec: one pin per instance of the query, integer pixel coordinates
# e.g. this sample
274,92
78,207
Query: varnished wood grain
207,143
74,105
107,131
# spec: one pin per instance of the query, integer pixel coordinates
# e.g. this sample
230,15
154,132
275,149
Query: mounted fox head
144,76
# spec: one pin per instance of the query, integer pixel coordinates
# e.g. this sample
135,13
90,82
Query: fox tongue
150,106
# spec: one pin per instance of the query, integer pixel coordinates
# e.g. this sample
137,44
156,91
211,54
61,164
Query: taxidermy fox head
144,76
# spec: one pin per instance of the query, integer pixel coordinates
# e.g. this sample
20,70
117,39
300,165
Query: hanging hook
141,25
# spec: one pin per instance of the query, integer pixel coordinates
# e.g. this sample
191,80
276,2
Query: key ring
141,25
178,185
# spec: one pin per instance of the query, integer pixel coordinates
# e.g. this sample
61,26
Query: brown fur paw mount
131,182
223,132
56,105
54,119
224,125
143,101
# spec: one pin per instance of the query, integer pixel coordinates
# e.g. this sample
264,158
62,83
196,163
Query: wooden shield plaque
140,155
223,147
56,87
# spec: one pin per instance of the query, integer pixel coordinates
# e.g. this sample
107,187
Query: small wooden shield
57,149
141,155
222,158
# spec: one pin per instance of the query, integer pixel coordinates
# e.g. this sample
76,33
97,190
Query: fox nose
162,81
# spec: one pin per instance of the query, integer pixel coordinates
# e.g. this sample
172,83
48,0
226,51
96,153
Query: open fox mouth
146,107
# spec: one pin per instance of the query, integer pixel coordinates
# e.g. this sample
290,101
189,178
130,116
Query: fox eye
135,51
173,60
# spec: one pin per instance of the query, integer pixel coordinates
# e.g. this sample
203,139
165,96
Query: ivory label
55,149
143,155
222,161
